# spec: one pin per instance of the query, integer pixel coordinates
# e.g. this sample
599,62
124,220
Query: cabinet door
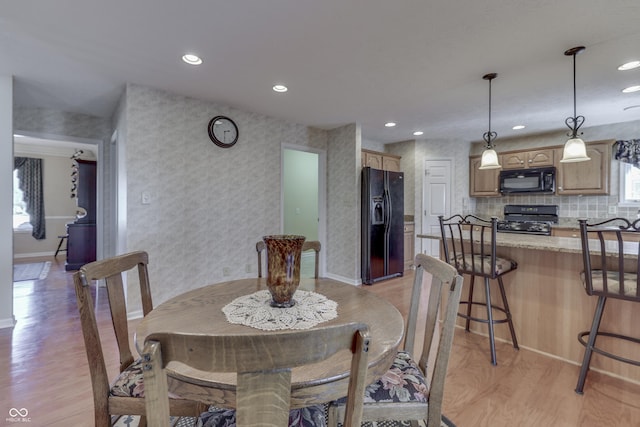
513,160
590,177
482,182
372,160
391,163
408,245
539,158
527,159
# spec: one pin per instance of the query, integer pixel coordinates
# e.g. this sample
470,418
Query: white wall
6,201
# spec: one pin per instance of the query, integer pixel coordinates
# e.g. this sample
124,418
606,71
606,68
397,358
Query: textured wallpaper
209,205
343,202
54,122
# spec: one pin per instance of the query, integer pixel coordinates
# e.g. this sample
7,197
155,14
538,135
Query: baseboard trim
33,255
9,322
344,279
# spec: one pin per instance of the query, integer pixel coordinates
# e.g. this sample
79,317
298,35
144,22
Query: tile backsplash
571,207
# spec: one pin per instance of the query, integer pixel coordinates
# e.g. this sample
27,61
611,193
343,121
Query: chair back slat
609,259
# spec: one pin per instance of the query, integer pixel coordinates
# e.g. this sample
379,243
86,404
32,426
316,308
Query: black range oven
529,219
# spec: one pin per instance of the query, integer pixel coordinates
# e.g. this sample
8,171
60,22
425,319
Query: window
629,184
20,216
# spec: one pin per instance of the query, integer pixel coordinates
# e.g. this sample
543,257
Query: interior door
436,201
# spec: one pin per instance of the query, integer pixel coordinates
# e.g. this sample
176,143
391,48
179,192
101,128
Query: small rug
31,271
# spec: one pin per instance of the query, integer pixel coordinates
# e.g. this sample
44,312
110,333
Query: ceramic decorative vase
283,267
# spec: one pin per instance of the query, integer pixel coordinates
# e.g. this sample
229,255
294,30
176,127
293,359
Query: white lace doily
255,310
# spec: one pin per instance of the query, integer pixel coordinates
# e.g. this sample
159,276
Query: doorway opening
303,203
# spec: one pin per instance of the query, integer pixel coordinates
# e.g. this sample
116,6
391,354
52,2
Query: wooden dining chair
611,259
260,248
316,247
404,393
125,396
262,363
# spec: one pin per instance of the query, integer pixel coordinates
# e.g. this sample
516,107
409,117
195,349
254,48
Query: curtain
627,151
30,176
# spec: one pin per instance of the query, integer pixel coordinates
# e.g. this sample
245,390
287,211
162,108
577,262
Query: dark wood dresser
81,241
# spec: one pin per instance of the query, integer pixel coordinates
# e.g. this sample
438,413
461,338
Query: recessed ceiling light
280,88
631,107
629,66
191,59
15,135
631,89
418,133
518,127
390,124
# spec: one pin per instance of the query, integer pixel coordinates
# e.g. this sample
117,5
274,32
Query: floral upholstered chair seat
479,264
613,284
130,384
311,416
403,382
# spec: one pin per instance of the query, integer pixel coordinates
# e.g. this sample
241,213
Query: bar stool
611,263
469,244
62,239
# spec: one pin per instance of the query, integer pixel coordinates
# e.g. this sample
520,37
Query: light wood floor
43,368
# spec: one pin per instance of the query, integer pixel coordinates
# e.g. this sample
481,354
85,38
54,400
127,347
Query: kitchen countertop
545,243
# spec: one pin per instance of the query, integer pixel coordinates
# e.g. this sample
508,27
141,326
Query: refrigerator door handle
387,211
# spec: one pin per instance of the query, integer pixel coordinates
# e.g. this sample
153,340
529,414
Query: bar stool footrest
480,319
581,336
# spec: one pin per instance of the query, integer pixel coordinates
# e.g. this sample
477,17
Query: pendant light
489,156
574,148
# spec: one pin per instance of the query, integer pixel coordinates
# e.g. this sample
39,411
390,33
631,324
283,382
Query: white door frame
322,196
426,228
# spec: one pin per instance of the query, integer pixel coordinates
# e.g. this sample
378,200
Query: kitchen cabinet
528,159
482,183
382,161
590,177
409,245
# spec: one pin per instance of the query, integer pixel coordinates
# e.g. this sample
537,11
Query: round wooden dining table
200,312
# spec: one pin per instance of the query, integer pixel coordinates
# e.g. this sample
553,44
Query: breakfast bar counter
550,306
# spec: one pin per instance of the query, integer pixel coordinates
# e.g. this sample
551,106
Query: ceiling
415,62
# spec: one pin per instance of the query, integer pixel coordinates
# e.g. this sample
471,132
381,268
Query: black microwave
535,180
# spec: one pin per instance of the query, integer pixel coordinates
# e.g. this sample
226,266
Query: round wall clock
223,131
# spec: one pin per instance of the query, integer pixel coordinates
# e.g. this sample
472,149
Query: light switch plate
146,198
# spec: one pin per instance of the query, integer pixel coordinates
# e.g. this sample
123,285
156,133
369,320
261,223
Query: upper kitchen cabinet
590,177
482,183
383,161
528,159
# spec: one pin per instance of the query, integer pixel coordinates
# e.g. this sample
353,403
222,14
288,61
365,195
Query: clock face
223,131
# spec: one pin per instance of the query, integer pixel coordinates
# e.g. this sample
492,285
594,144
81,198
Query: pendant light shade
489,156
574,148
489,160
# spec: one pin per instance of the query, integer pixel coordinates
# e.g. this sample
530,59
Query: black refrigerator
382,225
